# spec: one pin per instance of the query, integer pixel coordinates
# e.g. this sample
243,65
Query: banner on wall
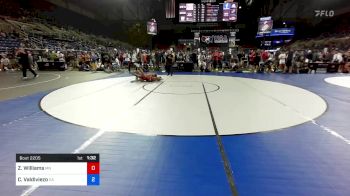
214,39
278,32
282,31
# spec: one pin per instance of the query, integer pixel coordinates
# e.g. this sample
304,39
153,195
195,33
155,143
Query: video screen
197,13
187,12
265,25
152,28
229,12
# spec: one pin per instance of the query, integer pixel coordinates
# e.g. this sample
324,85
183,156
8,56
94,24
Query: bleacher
7,43
32,34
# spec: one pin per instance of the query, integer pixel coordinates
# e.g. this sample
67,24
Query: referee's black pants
27,67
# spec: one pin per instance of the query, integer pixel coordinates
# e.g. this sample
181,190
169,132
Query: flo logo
324,13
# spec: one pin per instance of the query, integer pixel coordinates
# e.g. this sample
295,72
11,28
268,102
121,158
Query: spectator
216,59
289,63
299,59
60,57
282,60
265,56
309,57
252,56
257,60
1,63
327,56
337,57
169,63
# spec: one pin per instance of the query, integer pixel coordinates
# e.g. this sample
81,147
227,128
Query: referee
169,63
26,62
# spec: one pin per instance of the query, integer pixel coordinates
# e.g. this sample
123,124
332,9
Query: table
185,66
331,67
52,65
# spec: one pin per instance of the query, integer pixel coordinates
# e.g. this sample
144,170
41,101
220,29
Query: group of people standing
143,59
284,60
297,60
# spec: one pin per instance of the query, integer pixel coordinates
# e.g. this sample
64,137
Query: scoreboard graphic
207,12
57,169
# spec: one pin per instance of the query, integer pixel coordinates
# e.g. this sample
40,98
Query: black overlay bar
57,157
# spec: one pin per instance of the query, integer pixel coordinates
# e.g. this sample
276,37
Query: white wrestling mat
339,81
178,106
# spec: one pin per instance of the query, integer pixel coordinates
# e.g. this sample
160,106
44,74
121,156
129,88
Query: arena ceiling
114,17
142,10
115,10
301,9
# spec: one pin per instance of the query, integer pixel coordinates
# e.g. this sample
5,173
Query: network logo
324,13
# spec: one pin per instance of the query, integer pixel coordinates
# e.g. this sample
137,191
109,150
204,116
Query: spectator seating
40,35
6,42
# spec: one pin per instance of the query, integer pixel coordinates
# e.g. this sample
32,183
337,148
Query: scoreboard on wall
208,12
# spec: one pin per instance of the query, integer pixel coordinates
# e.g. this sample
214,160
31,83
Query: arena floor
190,134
